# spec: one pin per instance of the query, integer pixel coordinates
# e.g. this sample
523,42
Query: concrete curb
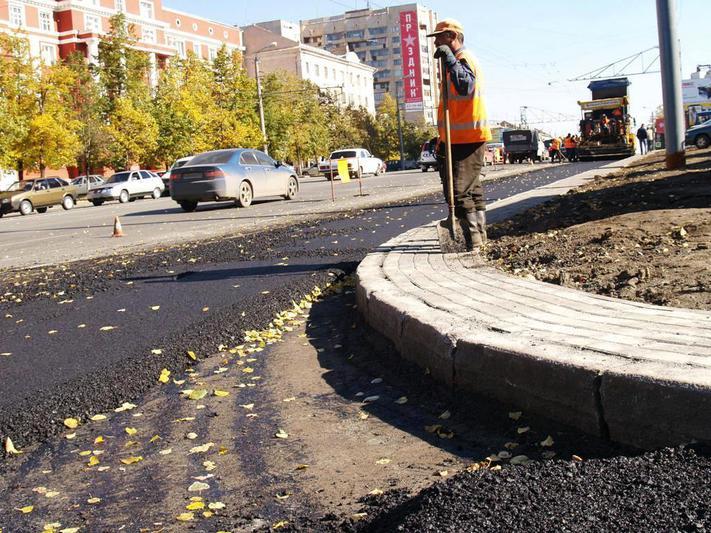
634,373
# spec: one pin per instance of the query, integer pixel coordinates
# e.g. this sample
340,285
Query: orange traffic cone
118,232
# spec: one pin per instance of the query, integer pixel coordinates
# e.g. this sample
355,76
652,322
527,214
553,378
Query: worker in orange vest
555,150
570,146
469,128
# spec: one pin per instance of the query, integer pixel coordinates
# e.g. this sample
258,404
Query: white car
360,162
178,163
127,186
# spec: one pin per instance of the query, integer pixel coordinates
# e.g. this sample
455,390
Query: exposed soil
641,234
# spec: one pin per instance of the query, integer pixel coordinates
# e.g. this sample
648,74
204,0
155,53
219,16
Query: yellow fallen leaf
548,442
191,436
93,501
192,355
197,394
70,436
195,506
205,309
131,431
248,406
107,328
445,416
248,370
216,506
155,307
290,399
125,406
443,473
209,465
301,467
198,486
375,492
85,453
10,447
26,509
154,438
178,381
281,434
93,461
383,461
132,460
97,418
282,495
167,451
281,523
401,400
363,416
202,449
576,458
522,430
220,393
156,351
185,517
358,516
51,494
103,468
515,415
69,530
71,423
186,419
52,332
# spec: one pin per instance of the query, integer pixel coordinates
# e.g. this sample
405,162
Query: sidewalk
635,373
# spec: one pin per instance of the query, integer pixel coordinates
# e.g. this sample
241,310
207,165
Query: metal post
399,131
671,84
261,104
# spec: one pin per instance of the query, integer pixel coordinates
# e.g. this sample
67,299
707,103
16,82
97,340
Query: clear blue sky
528,49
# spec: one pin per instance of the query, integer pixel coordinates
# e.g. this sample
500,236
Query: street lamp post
259,94
399,131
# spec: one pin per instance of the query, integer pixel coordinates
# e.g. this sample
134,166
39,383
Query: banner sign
410,47
696,90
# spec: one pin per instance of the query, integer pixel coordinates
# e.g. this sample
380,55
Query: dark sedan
236,174
699,135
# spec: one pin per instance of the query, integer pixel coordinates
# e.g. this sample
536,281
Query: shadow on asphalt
352,355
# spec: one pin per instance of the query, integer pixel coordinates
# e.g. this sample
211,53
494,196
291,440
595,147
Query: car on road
312,171
84,183
238,174
360,162
38,195
127,186
428,157
166,175
699,135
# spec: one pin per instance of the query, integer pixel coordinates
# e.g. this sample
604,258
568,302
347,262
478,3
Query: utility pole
671,84
399,131
259,94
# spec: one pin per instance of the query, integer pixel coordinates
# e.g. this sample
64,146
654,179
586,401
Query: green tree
386,139
17,99
133,133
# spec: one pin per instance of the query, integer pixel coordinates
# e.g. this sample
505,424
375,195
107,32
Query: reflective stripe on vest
467,113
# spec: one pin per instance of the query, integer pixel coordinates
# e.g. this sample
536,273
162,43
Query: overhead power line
618,68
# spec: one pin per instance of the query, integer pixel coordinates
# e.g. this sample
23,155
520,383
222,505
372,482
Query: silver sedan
237,174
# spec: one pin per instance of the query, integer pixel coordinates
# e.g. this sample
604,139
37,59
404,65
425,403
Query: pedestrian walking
643,138
469,129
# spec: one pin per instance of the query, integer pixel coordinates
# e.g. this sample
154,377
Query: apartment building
56,28
392,40
277,47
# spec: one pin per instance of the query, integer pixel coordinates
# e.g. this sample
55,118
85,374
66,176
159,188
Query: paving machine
606,129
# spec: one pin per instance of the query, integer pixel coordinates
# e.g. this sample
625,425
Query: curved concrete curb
635,373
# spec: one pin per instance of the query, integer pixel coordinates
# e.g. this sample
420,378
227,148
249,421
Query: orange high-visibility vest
568,143
467,114
555,144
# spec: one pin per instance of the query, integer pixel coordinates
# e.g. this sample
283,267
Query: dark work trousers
467,160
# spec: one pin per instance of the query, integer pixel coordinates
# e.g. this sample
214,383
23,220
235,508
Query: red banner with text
411,72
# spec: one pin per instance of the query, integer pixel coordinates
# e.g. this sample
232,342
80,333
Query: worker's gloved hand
445,52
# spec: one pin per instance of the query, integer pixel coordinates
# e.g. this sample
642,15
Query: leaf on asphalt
164,376
185,517
370,399
383,461
548,442
301,467
131,460
216,506
192,355
202,449
519,460
222,451
97,418
281,434
522,430
205,309
186,419
191,436
71,423
265,292
103,468
280,524
511,445
515,415
81,326
6,354
576,458
93,501
93,461
195,506
504,455
69,530
197,394
131,431
363,416
131,443
156,351
248,406
107,328
154,438
26,509
209,465
433,428
52,332
220,393
248,370
178,381
85,453
445,416
51,494
125,406
443,473
376,492
282,495
155,307
444,433
401,400
376,381
198,486
10,447
70,436
290,399
167,451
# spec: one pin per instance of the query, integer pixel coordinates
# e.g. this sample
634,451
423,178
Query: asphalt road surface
85,231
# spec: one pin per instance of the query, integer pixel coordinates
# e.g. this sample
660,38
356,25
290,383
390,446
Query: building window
45,20
180,46
195,26
148,35
178,22
355,34
317,70
92,23
210,31
226,34
17,15
120,5
170,41
306,66
145,9
47,53
212,53
197,49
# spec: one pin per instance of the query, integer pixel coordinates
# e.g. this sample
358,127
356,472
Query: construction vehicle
606,129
